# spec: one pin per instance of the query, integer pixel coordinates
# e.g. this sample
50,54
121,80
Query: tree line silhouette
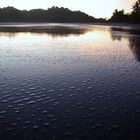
53,14
133,17
56,14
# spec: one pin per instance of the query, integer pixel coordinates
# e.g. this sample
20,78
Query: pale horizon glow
96,8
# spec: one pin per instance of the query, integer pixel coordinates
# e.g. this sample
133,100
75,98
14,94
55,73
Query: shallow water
69,81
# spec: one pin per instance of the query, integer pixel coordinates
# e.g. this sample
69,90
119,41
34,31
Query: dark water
69,82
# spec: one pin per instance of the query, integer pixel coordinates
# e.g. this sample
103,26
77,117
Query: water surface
69,81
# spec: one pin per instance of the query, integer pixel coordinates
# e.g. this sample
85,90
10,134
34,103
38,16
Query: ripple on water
75,92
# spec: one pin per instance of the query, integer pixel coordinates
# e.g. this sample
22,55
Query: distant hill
53,14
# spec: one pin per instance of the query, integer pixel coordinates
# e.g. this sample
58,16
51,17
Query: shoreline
95,23
71,25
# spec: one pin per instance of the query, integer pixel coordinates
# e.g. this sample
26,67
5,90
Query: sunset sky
96,8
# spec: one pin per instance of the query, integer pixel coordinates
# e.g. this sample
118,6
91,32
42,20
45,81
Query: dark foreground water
69,82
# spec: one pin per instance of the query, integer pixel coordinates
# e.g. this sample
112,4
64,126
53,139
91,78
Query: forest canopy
133,17
53,14
65,15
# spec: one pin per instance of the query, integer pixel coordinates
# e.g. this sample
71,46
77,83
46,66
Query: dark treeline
54,14
133,17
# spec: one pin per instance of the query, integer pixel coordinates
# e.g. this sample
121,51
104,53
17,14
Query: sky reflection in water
71,82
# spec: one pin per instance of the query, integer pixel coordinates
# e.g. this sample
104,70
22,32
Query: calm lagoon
69,81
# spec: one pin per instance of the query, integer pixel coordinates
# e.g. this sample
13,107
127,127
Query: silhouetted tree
53,14
119,16
136,7
135,16
10,14
61,14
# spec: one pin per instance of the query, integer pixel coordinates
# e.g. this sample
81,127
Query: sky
96,8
